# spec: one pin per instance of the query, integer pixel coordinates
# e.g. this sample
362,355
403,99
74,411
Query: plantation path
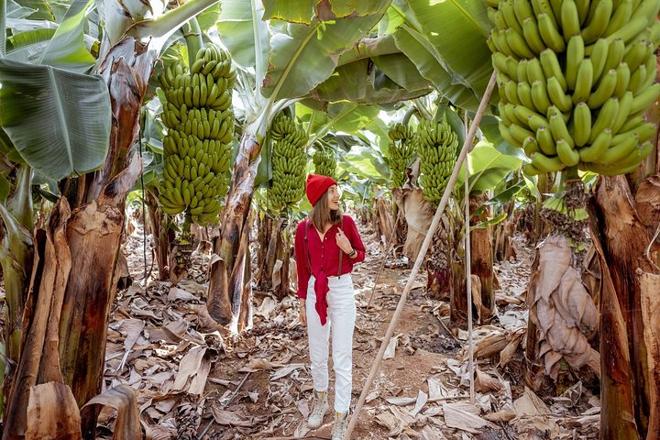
193,381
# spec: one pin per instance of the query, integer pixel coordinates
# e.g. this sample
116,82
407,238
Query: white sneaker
319,409
340,426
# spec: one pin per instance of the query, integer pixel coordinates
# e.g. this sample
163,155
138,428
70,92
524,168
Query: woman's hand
343,242
302,314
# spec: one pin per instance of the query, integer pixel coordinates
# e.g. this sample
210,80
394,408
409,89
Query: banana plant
282,62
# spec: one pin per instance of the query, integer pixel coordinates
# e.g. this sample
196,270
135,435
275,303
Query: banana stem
194,41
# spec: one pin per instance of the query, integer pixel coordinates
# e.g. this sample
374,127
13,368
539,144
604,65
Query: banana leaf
302,57
488,166
46,111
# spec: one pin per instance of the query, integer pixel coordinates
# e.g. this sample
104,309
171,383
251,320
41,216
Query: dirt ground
193,381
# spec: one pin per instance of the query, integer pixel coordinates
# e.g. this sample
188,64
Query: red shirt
324,258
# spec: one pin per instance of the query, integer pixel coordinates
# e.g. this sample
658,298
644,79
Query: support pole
468,281
467,146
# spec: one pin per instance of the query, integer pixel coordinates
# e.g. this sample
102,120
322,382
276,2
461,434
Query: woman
327,245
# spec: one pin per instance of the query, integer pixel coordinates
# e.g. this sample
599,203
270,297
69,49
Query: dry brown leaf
490,345
422,398
122,398
391,347
511,347
401,401
485,383
176,330
52,413
177,293
464,416
501,416
285,371
228,418
256,364
196,366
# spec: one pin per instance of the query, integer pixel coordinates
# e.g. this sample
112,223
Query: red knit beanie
317,185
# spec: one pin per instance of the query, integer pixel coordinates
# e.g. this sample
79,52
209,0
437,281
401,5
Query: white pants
341,318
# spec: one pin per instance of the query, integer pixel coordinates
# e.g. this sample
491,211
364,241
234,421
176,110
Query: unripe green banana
575,78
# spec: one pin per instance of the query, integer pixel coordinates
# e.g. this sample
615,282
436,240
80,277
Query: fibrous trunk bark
624,237
227,270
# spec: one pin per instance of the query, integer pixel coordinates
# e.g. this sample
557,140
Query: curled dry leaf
122,398
52,413
485,383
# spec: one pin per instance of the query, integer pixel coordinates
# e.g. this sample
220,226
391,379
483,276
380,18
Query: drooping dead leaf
562,310
52,413
490,345
465,416
122,398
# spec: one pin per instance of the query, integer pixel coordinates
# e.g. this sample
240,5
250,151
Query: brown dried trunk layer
481,257
227,269
160,233
629,386
66,315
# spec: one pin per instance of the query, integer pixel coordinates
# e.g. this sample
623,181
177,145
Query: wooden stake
468,280
467,146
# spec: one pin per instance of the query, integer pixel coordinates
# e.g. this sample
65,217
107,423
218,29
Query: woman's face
333,198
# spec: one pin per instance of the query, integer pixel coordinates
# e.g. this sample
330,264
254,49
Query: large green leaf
245,34
458,31
58,121
361,83
67,48
426,58
303,56
488,166
299,11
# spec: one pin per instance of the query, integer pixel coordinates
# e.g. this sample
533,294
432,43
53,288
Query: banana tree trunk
161,234
284,256
624,221
481,259
66,319
16,254
227,269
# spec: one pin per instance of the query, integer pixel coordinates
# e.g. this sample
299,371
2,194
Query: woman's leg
341,309
317,336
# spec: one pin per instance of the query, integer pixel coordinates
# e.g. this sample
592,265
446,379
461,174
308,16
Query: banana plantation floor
193,381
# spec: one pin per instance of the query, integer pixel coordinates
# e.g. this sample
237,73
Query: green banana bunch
289,161
200,131
437,148
325,163
575,79
401,153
